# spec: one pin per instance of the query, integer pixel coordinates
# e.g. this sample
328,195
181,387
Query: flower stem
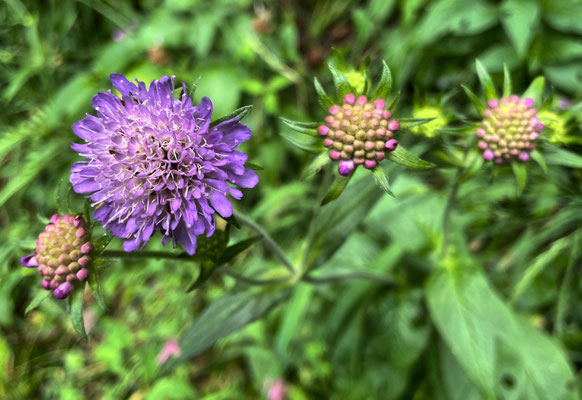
146,254
252,281
387,281
268,240
448,208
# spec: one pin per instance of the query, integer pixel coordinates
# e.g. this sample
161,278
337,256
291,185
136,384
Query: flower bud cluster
509,130
62,254
212,247
359,133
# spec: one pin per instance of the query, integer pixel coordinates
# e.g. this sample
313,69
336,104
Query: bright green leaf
318,163
406,158
382,180
486,81
520,173
520,19
385,84
325,101
337,187
535,90
76,311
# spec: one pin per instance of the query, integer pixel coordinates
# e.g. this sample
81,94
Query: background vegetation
498,316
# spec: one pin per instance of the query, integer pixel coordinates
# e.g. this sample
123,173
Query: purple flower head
509,130
62,254
154,163
359,133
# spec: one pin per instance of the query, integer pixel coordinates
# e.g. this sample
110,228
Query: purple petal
248,180
29,261
221,204
234,133
121,83
63,290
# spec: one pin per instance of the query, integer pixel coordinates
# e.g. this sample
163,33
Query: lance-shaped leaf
234,250
406,158
207,268
337,187
475,100
63,197
520,172
302,141
239,113
557,156
407,123
307,128
506,81
537,157
223,317
473,164
95,284
318,163
382,180
392,99
38,299
253,166
76,311
486,81
325,101
385,84
535,90
342,85
101,243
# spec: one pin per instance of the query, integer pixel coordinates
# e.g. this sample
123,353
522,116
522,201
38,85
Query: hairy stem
146,254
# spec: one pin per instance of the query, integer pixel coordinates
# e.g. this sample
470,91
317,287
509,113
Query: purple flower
154,163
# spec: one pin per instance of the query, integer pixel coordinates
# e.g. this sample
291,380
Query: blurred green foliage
497,316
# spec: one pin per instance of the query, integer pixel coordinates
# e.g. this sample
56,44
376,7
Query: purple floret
155,164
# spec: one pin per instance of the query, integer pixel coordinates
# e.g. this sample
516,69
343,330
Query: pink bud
370,164
480,132
80,232
328,142
482,145
350,98
63,290
394,125
524,156
380,155
334,109
334,155
391,144
379,104
323,130
362,100
488,113
345,167
83,274
84,261
171,349
514,99
540,127
87,248
528,101
488,155
534,136
386,114
492,103
45,285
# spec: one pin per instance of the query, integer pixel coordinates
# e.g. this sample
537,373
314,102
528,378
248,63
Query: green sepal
385,84
234,250
486,81
337,187
63,197
403,157
520,173
101,243
407,123
38,299
75,303
506,81
342,86
232,221
535,90
324,100
239,113
318,163
382,180
475,100
307,128
539,158
472,165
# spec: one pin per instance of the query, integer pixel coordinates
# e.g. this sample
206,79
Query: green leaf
239,113
486,81
101,243
96,289
473,165
563,15
253,166
382,180
406,158
520,19
385,84
520,173
341,83
63,197
493,344
207,268
302,141
38,299
506,81
318,163
224,316
539,158
407,123
337,187
234,250
392,99
557,156
76,311
307,128
535,90
475,100
325,101
569,284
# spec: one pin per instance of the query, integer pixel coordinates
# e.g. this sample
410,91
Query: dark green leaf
95,285
406,158
318,162
101,243
233,221
253,166
234,250
473,165
486,81
382,180
539,158
535,90
307,128
325,101
239,113
341,83
475,100
39,298
302,141
207,268
76,311
407,123
385,84
224,316
337,187
520,172
63,197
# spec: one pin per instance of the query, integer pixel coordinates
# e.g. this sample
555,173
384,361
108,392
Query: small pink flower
171,349
276,390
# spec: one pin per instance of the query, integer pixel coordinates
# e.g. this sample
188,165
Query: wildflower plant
360,128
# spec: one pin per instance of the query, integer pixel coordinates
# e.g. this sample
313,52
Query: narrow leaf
239,113
406,158
207,268
307,128
506,81
407,123
38,299
535,90
486,81
473,165
341,83
63,197
95,286
325,101
318,162
392,99
385,84
76,311
520,172
537,156
336,189
253,166
475,100
382,180
234,250
101,243
557,156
